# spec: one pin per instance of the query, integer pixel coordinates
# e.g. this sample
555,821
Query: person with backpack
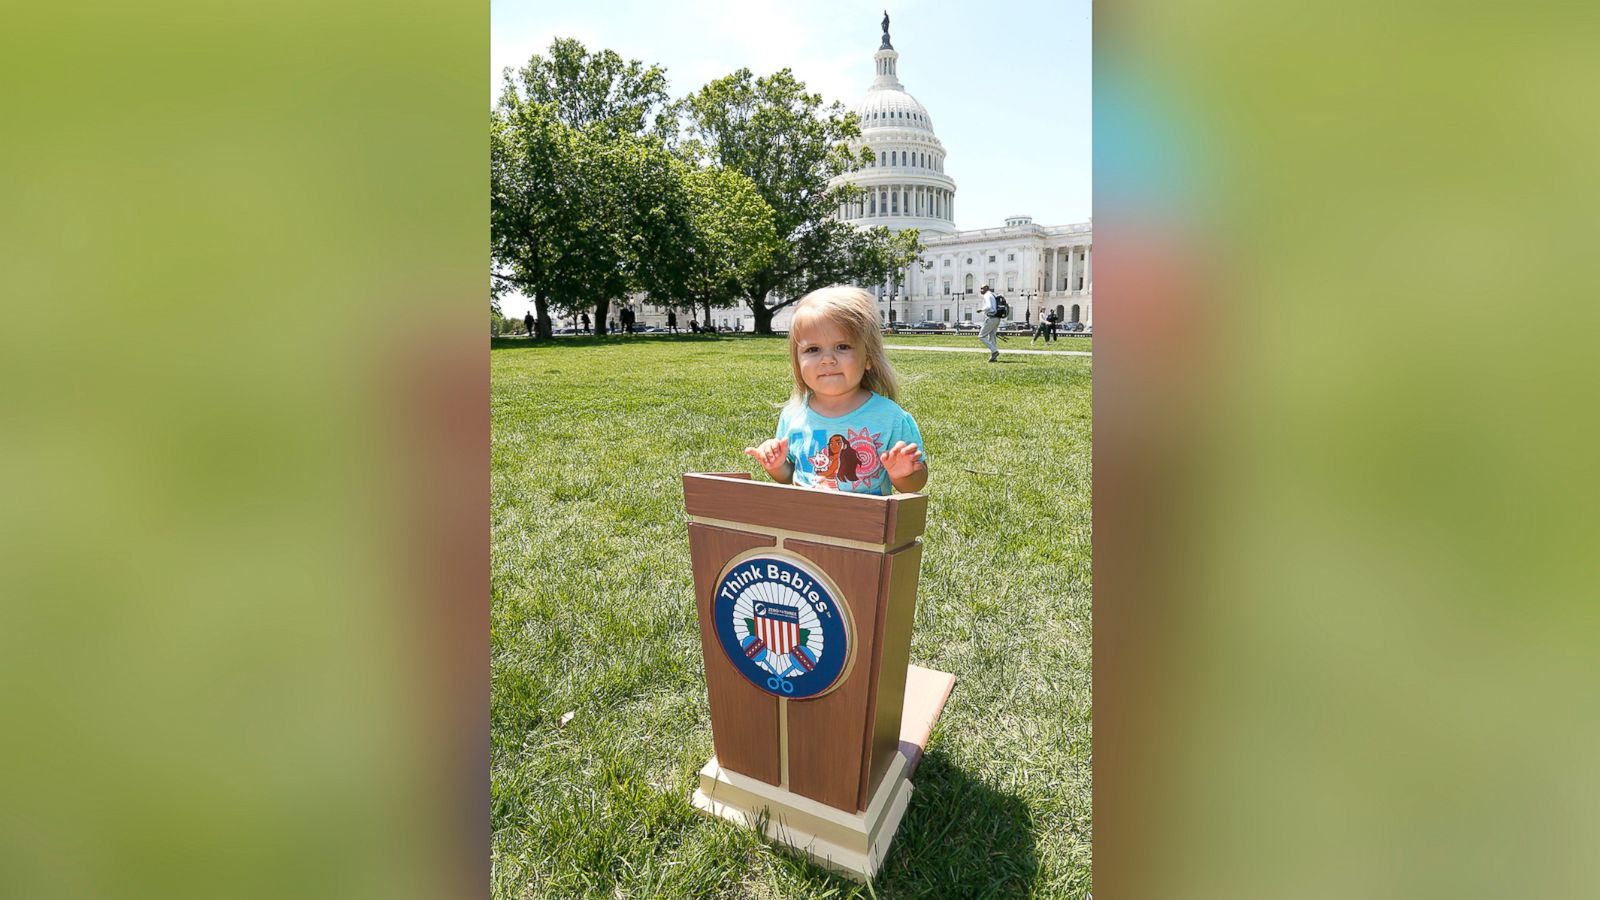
1051,334
994,311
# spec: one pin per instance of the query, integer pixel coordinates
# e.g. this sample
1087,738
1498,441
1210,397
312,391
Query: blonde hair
852,310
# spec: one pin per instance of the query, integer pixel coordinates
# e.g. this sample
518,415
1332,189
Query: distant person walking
627,320
991,323
585,320
694,326
527,323
1042,329
672,321
1051,335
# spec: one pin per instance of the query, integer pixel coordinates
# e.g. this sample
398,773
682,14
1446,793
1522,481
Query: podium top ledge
734,500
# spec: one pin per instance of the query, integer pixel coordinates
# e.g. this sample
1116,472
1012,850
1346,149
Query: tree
732,236
777,135
531,195
576,164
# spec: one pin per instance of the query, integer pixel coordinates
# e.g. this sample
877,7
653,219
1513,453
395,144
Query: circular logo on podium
782,624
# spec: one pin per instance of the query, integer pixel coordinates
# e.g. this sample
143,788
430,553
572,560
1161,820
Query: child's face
831,362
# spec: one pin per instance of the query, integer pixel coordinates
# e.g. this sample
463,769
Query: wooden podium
806,600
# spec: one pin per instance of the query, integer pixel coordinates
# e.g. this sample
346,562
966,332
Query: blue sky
1008,87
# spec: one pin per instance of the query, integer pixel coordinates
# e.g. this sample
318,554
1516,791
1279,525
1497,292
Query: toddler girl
842,429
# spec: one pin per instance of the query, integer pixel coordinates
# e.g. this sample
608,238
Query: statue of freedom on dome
886,44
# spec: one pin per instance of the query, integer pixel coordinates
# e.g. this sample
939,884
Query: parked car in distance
1072,326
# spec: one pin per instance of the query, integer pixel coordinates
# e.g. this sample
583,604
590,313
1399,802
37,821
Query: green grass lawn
593,613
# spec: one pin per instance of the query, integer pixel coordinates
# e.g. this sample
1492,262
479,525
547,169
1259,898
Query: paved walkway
1003,350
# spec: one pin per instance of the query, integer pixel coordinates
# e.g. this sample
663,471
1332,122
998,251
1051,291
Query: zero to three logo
783,625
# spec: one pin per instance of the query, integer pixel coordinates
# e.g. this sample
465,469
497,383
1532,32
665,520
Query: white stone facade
1033,267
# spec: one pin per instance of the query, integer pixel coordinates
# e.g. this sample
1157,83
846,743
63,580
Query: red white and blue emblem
779,626
782,625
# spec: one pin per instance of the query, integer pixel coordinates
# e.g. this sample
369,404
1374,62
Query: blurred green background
244,629
1346,626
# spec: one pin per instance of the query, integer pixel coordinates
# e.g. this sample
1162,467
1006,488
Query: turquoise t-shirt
842,453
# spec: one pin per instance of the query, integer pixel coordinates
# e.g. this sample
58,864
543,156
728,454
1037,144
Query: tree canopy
779,136
733,236
599,187
577,171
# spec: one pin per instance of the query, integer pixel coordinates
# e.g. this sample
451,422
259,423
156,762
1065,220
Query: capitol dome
892,108
905,185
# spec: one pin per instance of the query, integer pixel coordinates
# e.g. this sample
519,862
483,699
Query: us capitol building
1032,266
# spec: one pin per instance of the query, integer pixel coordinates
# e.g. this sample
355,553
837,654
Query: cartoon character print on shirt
851,457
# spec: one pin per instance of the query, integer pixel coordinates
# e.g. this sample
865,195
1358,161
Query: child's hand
773,456
901,460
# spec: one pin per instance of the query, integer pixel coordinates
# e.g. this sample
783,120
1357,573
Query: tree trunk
707,320
763,316
601,307
541,318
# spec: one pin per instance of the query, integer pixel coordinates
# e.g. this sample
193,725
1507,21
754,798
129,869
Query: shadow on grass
960,838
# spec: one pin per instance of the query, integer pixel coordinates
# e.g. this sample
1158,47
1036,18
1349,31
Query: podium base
852,844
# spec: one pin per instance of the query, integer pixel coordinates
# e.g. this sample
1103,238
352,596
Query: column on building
1055,269
1088,268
